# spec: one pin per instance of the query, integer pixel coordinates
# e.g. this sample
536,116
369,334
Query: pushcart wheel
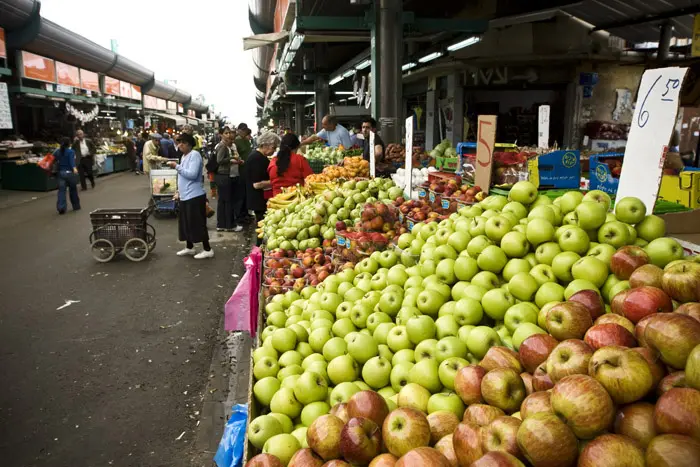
136,249
151,240
103,250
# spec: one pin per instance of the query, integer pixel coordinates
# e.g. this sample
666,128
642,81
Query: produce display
325,154
288,197
419,177
395,154
288,270
530,331
353,167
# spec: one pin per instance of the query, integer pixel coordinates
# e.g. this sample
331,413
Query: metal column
299,117
390,49
322,96
665,41
455,93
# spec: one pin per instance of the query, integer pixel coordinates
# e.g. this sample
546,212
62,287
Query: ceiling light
344,93
363,65
335,80
300,93
465,43
430,57
408,66
296,42
349,73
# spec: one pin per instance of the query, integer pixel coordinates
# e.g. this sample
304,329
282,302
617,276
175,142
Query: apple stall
479,329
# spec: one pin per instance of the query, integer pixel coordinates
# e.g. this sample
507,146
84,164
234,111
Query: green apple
397,339
616,289
343,392
263,428
496,302
481,339
570,219
377,372
342,327
598,196
430,301
390,302
523,192
468,310
458,290
523,286
561,229
426,349
283,339
539,231
313,358
496,227
285,402
385,352
446,326
343,369
362,347
546,252
577,285
459,240
591,269
602,251
524,312
387,259
425,373
569,200
465,268
414,396
477,226
543,274
515,208
574,239
420,328
447,370
310,387
335,347
405,313
651,228
515,244
614,233
381,333
444,251
549,292
289,371
524,331
446,402
492,259
404,355
464,331
541,212
662,251
562,264
290,381
630,210
265,388
375,319
262,351
445,271
475,291
266,366
477,245
289,358
450,346
591,214
486,279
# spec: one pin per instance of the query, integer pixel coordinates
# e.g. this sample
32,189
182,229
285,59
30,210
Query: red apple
341,411
442,423
626,260
535,403
467,443
658,369
503,388
636,421
640,329
617,319
591,300
360,440
644,301
670,381
611,451
568,320
501,435
336,463
602,335
423,456
618,300
265,460
535,350
584,404
541,381
570,357
624,373
481,414
527,381
501,357
384,460
678,412
368,404
690,309
673,451
305,458
546,441
405,429
498,459
674,336
468,384
447,449
323,436
682,281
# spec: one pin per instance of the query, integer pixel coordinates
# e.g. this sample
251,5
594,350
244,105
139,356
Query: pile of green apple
529,331
306,224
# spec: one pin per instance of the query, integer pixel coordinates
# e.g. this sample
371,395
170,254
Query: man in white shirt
333,133
84,158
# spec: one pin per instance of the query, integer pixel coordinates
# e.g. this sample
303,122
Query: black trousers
85,171
225,201
241,205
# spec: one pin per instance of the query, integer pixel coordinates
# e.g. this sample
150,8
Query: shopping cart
163,183
115,230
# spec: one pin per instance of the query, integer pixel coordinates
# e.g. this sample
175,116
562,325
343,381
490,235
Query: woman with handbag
67,174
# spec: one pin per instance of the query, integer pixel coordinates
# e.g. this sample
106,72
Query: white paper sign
409,157
543,127
372,157
652,124
5,113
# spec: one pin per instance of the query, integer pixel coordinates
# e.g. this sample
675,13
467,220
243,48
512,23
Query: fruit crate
449,204
411,222
435,199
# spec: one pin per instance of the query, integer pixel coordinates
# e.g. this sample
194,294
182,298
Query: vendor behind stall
370,124
333,133
151,159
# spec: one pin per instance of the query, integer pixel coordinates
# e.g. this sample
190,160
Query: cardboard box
683,188
601,177
559,169
684,227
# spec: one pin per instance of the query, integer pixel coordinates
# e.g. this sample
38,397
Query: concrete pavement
120,377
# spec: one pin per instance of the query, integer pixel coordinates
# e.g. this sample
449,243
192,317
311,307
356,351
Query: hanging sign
5,114
695,46
112,86
150,102
89,81
486,138
543,127
125,89
38,68
409,158
68,75
372,156
652,125
136,92
3,47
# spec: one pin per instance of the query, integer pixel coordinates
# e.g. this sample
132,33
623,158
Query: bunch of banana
286,199
319,187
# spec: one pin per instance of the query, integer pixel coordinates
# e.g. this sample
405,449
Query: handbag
48,163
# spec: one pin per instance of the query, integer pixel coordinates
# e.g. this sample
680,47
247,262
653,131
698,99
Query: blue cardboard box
560,169
600,176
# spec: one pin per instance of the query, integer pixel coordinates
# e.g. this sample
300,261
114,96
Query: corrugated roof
602,12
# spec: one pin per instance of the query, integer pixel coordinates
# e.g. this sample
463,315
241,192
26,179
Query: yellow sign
695,50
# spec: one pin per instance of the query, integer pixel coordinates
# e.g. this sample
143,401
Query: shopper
140,143
151,159
244,146
167,147
85,158
332,133
67,176
192,215
288,168
227,178
131,157
370,124
258,187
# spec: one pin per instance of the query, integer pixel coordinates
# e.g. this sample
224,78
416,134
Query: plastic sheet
241,310
232,444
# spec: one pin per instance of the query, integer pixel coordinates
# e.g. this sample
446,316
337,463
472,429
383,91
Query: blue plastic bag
231,446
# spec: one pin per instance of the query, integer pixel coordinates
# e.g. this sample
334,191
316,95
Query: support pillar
299,126
455,93
390,49
430,120
665,41
288,111
322,96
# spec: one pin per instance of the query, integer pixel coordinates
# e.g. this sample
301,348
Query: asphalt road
118,377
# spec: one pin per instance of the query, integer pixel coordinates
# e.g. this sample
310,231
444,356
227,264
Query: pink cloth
241,310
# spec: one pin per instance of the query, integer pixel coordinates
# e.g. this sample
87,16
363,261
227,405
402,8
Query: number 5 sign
652,124
485,142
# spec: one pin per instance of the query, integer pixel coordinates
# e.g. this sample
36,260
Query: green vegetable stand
26,177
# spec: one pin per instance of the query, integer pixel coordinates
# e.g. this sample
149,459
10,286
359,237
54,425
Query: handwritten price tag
486,140
372,156
652,125
543,127
409,157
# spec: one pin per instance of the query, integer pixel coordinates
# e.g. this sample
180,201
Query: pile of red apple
282,272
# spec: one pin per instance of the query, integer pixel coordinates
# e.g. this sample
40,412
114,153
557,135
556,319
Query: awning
261,40
179,121
194,121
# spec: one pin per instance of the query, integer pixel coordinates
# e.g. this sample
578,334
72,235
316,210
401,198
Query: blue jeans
70,180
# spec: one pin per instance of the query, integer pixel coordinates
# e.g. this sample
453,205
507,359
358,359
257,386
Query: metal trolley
115,230
163,183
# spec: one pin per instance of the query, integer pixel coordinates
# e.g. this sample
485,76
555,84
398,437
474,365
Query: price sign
5,114
486,140
652,125
409,158
372,157
543,127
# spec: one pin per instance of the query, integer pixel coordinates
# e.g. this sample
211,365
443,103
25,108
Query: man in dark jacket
84,158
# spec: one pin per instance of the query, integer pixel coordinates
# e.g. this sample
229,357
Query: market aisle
116,378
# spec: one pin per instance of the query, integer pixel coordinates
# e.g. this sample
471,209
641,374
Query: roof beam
648,18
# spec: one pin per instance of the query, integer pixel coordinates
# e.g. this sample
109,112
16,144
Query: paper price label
432,197
409,157
372,157
445,203
543,126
